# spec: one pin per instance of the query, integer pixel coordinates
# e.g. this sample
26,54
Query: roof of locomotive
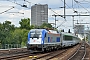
52,31
37,29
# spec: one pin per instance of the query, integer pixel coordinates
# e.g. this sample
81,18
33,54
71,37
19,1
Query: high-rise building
39,14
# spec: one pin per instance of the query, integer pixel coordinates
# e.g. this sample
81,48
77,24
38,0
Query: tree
25,23
7,26
6,30
32,26
46,25
20,36
24,37
9,34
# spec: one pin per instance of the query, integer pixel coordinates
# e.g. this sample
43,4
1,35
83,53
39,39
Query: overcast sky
81,6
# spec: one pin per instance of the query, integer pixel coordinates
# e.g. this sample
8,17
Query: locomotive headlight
42,42
39,35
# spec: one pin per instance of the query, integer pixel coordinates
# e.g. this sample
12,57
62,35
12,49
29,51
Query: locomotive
46,40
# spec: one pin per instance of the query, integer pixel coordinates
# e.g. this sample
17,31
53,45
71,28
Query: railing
10,46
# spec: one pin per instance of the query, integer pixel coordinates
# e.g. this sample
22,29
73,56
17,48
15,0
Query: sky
7,12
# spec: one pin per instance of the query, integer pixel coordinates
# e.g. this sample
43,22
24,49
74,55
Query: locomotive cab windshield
35,34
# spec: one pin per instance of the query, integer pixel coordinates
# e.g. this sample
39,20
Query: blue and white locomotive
46,40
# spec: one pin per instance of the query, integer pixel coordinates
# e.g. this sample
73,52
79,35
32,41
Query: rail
79,54
51,55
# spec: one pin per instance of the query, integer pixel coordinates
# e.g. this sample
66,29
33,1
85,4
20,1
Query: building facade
39,14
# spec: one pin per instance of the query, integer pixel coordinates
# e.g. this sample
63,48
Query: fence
10,46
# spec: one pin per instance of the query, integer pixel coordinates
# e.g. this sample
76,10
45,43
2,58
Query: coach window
66,37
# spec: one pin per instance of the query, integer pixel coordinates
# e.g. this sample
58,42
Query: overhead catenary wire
61,16
67,5
6,10
22,5
55,19
5,6
14,2
53,11
64,15
84,2
75,10
81,5
16,12
61,23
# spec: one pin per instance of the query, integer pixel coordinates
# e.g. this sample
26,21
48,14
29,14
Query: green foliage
19,36
46,25
9,34
32,26
25,23
5,32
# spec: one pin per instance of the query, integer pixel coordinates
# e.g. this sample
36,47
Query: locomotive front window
35,34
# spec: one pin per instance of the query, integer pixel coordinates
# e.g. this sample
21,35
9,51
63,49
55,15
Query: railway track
53,55
87,57
79,54
39,56
8,51
13,54
50,55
